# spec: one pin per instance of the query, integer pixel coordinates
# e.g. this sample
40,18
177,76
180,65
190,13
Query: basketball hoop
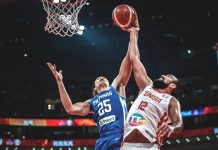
62,16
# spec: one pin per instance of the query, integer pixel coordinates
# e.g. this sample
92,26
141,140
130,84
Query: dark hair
176,91
93,86
93,90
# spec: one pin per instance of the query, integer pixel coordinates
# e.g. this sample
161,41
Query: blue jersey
109,110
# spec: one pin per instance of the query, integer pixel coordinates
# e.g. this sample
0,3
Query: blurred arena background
179,37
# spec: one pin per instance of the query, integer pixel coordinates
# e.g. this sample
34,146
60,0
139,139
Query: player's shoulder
112,88
174,101
89,100
167,96
119,91
147,87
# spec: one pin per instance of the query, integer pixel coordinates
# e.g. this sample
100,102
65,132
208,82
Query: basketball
124,16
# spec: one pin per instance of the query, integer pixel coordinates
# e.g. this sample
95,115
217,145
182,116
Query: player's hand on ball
126,29
136,22
165,130
133,29
57,74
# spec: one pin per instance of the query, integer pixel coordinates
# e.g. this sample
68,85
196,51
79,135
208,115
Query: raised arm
140,74
81,108
123,77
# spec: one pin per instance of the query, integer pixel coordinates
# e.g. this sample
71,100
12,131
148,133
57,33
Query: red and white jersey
147,113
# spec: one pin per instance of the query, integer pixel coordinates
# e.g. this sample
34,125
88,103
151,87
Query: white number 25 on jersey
105,107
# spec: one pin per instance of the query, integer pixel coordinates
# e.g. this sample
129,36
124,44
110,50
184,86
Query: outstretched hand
165,130
133,29
134,26
57,74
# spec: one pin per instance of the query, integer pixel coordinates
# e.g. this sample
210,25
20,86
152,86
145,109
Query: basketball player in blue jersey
108,105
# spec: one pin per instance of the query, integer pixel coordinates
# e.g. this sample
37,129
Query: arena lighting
178,141
199,111
90,122
65,143
81,27
49,106
80,32
25,55
189,51
191,139
187,140
217,52
47,122
83,143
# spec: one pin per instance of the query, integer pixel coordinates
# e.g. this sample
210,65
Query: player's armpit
119,86
121,90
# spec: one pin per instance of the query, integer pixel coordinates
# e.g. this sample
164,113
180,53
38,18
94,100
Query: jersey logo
105,95
152,96
137,120
98,98
107,120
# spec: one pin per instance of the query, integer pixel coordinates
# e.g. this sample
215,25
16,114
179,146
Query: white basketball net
62,16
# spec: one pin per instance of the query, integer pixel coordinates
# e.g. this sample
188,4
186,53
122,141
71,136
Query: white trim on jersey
124,107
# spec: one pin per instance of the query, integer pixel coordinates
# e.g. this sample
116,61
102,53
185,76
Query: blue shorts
109,141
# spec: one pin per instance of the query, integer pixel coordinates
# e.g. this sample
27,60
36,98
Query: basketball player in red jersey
155,113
